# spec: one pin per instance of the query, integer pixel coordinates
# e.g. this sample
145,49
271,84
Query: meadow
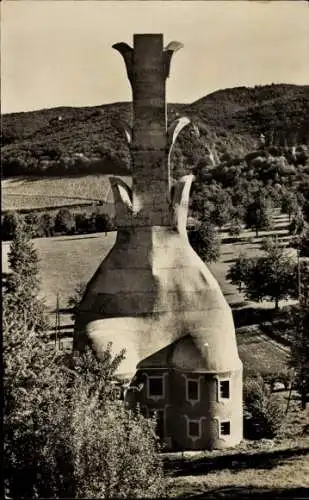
39,193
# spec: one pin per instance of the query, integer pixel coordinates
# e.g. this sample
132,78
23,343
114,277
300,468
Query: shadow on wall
232,461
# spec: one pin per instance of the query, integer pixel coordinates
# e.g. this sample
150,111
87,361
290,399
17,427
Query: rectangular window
155,386
225,389
193,392
225,428
194,428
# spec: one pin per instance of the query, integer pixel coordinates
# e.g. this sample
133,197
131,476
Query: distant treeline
64,222
62,141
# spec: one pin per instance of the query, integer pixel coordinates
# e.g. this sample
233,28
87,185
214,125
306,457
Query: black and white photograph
155,249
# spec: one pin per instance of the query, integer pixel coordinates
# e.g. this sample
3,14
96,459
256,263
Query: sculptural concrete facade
152,294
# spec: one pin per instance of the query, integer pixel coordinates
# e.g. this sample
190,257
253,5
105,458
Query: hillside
82,140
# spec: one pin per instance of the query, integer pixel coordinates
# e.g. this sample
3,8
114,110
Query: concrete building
152,294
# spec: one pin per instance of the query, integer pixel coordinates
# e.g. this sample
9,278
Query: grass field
30,193
277,468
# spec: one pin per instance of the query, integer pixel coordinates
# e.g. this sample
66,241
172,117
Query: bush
10,223
65,435
64,222
263,411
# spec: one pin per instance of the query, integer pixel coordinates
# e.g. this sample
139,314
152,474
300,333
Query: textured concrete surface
152,294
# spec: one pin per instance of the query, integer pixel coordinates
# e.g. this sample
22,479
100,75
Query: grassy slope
28,193
253,468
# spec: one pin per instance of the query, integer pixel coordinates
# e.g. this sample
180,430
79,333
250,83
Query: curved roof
151,292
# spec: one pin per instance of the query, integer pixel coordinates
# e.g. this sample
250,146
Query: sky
59,52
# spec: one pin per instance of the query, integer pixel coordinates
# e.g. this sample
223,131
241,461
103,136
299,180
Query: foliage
10,224
32,224
289,203
304,243
46,225
74,300
65,434
51,142
64,221
82,223
102,222
271,276
238,272
263,411
297,223
300,352
205,241
257,214
22,284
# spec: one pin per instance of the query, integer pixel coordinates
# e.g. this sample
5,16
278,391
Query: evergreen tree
299,359
23,282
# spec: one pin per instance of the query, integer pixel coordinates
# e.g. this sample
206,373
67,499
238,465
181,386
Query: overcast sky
58,53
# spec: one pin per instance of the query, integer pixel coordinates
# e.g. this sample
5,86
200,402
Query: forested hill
77,140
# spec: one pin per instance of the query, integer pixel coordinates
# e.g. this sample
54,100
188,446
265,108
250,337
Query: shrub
10,223
65,436
46,225
64,222
263,411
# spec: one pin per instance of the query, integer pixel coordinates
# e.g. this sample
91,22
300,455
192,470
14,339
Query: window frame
195,421
155,396
222,381
198,383
218,388
223,435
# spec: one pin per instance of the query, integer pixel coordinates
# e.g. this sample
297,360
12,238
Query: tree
238,272
257,215
272,276
289,203
11,222
32,224
82,223
66,435
304,243
205,241
23,282
64,221
299,358
46,225
222,209
263,412
103,222
297,224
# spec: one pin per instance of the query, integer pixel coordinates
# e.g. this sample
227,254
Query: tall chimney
147,68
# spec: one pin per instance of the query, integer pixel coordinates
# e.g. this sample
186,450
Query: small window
194,428
225,389
225,428
193,394
155,386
